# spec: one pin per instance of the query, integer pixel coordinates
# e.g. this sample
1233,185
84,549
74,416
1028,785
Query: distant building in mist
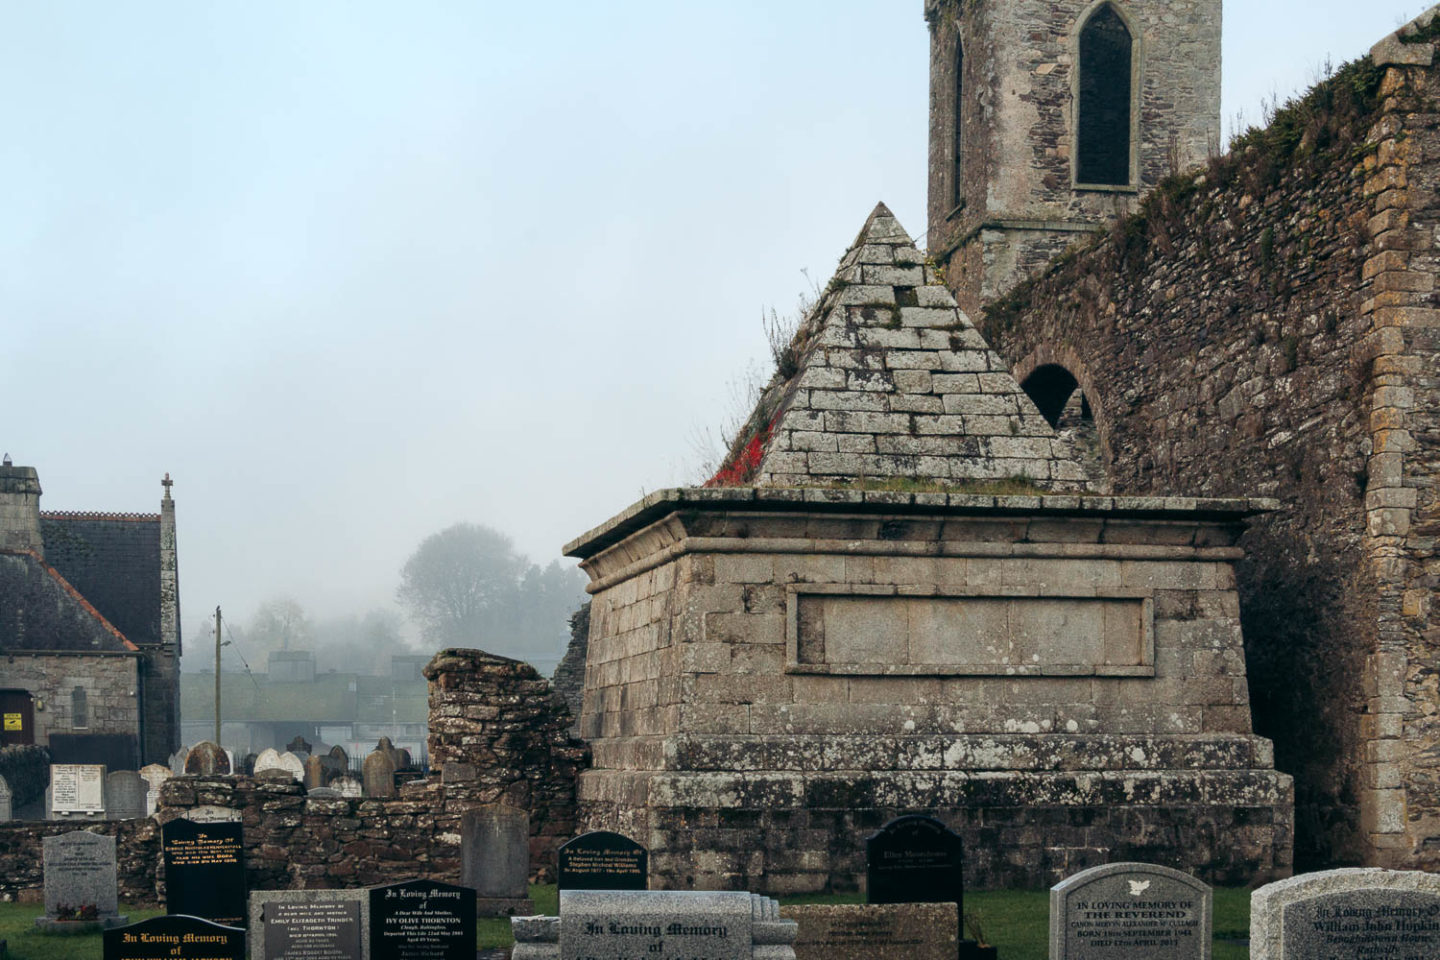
291,699
89,629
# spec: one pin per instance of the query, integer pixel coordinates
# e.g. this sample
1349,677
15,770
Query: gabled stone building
89,628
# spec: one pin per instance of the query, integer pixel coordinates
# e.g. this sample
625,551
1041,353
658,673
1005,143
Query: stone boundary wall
1276,315
137,853
497,735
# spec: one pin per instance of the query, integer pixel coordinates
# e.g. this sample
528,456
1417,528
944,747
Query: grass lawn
1016,921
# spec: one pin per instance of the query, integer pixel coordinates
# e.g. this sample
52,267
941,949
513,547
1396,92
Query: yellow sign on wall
12,721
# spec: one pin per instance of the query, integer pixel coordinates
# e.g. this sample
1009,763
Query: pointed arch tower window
1103,119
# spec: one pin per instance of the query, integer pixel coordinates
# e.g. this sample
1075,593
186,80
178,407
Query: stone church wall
1269,327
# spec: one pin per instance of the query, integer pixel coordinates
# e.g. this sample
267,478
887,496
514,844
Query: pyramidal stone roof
887,378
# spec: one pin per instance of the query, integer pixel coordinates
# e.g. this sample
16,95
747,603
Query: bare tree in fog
466,586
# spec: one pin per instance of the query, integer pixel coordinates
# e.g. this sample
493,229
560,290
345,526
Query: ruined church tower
1050,118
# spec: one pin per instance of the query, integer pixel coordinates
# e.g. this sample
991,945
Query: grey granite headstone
1367,913
495,859
125,792
177,760
6,799
1130,910
309,924
80,881
610,925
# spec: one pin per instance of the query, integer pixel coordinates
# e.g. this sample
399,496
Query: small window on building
79,708
957,192
1102,152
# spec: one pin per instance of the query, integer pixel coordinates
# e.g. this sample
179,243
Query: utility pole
217,676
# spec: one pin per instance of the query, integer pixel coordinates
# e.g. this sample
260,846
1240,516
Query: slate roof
889,379
40,610
113,559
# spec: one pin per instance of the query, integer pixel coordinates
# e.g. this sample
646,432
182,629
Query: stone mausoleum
899,596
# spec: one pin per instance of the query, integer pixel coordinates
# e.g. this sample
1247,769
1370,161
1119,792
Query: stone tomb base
774,674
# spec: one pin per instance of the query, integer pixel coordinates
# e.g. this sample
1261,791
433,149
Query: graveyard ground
1014,920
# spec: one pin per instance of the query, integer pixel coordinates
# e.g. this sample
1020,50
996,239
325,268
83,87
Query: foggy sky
352,272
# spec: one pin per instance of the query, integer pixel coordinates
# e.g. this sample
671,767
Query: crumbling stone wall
569,677
498,734
1268,327
137,856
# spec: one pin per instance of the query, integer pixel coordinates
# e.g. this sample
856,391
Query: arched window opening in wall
957,173
1065,407
1103,121
79,708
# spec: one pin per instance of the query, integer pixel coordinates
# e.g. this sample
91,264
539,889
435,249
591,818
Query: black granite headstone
601,860
205,870
311,928
174,938
915,859
422,920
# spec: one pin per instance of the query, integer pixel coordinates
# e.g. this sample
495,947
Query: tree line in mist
465,586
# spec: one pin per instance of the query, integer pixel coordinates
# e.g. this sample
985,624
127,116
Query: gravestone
75,789
209,813
154,775
292,765
6,801
298,746
916,859
495,859
314,772
174,938
915,931
339,758
349,787
1366,913
269,759
324,793
207,759
80,882
379,773
601,860
307,924
247,764
613,924
125,792
177,760
1130,910
422,920
205,870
